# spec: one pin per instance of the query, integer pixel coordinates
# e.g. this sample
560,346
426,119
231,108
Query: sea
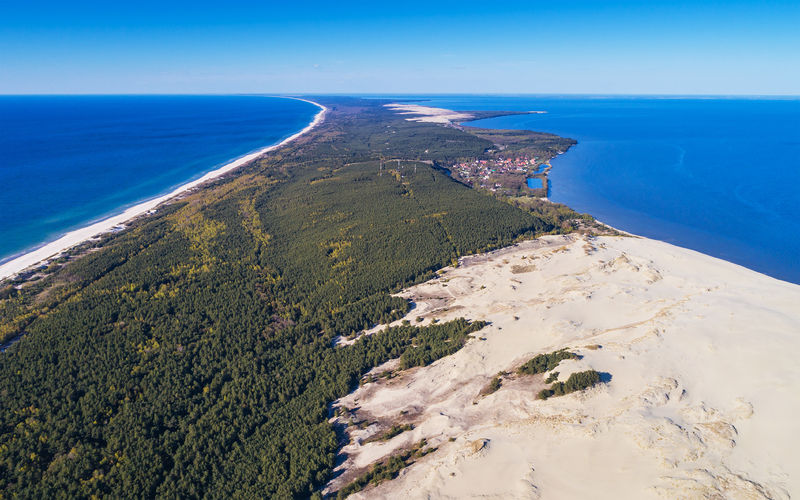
68,161
717,175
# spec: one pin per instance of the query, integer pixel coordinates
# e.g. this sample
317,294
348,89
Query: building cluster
484,173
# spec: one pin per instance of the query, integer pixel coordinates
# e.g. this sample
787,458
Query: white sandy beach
428,114
78,236
701,400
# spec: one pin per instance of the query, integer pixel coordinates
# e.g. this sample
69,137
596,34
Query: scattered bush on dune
396,430
492,386
438,341
385,470
545,362
576,382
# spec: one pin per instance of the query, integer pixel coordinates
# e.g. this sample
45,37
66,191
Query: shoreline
676,377
675,232
72,238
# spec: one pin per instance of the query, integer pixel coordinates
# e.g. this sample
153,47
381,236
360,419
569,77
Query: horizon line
401,94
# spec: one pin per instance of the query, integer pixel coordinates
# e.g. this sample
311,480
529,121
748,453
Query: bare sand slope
428,114
701,400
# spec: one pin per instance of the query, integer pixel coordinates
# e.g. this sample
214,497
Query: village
510,176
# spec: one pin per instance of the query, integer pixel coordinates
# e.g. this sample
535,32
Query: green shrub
385,470
396,430
576,382
545,362
492,386
552,378
437,341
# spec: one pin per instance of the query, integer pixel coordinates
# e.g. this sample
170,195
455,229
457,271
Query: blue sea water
717,175
66,161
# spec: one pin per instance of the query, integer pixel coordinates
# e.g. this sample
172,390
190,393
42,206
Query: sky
307,47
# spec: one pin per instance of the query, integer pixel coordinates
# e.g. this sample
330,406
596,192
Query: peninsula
351,314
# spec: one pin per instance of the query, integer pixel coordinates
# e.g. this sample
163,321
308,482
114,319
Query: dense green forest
192,355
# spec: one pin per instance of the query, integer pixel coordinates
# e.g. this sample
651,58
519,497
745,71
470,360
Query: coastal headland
517,166
347,316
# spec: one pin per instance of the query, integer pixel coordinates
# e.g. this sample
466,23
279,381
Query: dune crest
699,387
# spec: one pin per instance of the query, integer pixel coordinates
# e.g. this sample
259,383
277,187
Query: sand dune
701,392
428,114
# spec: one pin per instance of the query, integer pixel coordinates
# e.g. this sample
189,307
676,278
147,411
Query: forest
193,354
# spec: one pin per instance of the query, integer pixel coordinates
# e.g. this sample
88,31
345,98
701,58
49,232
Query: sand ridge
699,357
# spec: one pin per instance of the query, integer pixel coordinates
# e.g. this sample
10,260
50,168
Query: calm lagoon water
66,161
534,182
717,175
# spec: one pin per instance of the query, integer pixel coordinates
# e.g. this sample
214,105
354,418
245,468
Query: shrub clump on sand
437,342
545,362
387,469
396,430
576,382
492,386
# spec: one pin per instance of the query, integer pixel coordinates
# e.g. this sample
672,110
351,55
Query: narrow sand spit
78,236
428,114
700,399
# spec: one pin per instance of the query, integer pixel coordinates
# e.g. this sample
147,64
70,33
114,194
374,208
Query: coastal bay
714,174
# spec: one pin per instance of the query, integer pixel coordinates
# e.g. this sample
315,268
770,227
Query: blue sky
655,47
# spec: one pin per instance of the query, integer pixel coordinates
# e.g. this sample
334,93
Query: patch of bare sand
428,114
701,401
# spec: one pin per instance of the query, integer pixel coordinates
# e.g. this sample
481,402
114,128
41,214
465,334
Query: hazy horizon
419,94
622,47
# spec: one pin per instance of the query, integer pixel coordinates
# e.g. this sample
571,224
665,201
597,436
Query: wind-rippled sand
701,397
